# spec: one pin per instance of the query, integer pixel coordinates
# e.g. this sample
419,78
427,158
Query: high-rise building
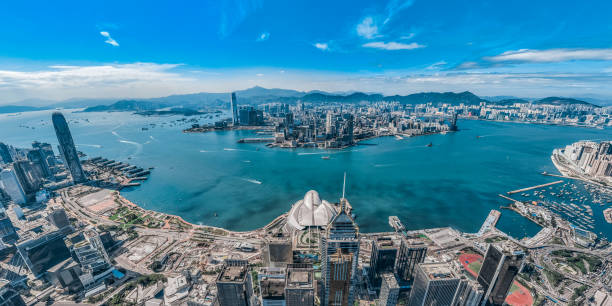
234,287
340,253
389,290
469,293
87,249
411,253
11,185
43,252
434,284
299,285
278,253
5,154
8,295
47,150
382,259
234,106
39,158
501,264
67,148
7,230
28,178
272,286
329,124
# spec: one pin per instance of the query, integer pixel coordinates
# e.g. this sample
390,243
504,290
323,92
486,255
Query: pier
489,222
255,140
535,187
508,198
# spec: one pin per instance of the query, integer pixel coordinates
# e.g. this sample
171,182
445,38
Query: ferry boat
325,157
398,137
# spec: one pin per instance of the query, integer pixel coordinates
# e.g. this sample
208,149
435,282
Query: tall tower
434,284
234,106
340,253
499,267
66,146
411,253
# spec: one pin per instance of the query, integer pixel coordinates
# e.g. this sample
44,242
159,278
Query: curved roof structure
311,211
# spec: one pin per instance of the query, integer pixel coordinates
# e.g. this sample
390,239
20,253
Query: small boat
324,157
398,137
430,144
477,136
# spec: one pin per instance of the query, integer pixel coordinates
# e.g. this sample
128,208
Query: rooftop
233,274
437,271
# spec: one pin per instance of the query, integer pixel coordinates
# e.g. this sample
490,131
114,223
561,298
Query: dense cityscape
68,236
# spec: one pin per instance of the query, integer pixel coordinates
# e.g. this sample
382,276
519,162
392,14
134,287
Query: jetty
535,187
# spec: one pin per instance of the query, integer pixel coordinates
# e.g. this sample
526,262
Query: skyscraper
382,259
28,178
234,287
87,249
389,290
411,253
434,284
5,154
38,157
11,185
501,264
299,286
234,106
340,253
67,148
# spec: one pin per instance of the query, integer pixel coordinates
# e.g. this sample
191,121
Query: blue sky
64,49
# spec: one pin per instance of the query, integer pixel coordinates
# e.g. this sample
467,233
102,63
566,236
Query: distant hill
126,105
511,101
7,109
562,101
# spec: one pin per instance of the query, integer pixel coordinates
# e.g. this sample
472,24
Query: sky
55,50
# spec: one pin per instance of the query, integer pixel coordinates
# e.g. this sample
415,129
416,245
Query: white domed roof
310,211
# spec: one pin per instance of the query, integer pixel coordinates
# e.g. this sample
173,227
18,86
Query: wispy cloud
322,46
233,13
367,28
394,7
393,45
552,55
436,65
109,40
263,36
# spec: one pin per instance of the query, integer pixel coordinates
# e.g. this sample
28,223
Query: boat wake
90,145
251,181
137,145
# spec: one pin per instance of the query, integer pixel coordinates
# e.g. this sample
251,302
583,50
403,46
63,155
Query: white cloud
409,36
260,74
392,45
322,46
436,65
367,28
109,40
552,55
263,36
395,6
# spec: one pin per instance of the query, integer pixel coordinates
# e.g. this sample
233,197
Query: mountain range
259,95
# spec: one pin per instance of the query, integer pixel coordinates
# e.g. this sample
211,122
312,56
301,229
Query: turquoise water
453,183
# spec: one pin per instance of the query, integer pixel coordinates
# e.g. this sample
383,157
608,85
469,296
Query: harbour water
209,178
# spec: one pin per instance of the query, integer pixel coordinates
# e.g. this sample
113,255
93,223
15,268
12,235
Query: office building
66,275
299,285
58,217
382,259
234,106
234,287
434,284
272,286
11,185
469,293
39,159
28,177
248,115
67,148
8,295
43,252
501,264
411,253
47,150
7,230
87,249
340,253
389,290
5,154
278,253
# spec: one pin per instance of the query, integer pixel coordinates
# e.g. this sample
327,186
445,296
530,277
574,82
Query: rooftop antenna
343,200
